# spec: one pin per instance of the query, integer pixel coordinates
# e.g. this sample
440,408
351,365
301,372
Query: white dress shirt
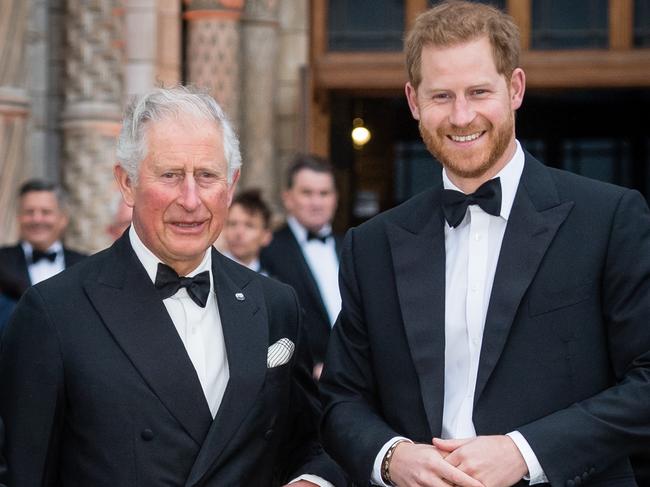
44,269
201,331
324,264
254,265
471,255
199,328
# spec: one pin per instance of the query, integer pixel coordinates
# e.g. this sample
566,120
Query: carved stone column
259,88
169,42
153,44
141,32
213,50
91,117
14,105
292,100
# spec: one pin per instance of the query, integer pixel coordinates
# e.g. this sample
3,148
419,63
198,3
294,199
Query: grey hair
169,103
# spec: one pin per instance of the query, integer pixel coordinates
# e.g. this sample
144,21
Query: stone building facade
67,68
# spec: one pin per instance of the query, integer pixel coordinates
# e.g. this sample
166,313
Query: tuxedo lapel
15,263
21,265
71,258
418,254
134,314
303,269
338,245
246,334
536,215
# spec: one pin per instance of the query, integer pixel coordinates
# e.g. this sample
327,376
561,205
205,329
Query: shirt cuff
376,469
314,479
536,474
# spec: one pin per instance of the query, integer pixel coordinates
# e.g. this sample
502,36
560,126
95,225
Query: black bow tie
314,236
487,196
168,283
38,255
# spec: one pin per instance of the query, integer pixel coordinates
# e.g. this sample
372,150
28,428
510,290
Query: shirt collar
254,265
509,175
300,232
28,249
150,261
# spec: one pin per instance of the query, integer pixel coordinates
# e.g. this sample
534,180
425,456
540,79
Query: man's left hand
493,460
301,483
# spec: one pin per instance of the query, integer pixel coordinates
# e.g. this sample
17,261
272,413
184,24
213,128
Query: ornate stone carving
13,111
235,6
94,57
91,118
213,50
262,10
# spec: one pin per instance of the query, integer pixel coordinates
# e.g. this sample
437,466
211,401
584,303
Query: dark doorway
602,134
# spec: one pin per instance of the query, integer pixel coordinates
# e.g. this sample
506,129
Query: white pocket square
280,353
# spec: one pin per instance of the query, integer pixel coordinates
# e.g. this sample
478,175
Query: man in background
305,253
42,219
248,229
121,216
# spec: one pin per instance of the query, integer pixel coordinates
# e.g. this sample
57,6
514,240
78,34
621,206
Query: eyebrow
434,89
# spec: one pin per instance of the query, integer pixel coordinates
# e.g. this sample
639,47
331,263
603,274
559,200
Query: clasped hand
483,461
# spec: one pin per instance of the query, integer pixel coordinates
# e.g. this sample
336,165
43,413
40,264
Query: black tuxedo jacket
14,263
283,259
565,358
3,465
96,388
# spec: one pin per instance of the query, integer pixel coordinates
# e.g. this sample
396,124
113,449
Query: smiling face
465,110
246,233
311,199
181,198
41,220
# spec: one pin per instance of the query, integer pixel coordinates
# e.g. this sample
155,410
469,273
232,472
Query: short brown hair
308,161
455,22
38,185
252,202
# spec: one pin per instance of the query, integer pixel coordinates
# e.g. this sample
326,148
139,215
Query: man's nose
462,112
317,199
38,217
189,198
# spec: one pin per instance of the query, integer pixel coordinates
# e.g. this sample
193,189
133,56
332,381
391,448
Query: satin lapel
20,265
536,215
245,331
304,270
338,245
134,314
418,253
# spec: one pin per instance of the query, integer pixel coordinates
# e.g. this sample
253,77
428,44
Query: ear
266,239
233,185
517,88
125,184
65,219
412,98
287,200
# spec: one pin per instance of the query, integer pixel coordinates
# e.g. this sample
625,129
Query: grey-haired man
159,361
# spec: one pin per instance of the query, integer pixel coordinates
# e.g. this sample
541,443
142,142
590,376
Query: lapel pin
239,296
